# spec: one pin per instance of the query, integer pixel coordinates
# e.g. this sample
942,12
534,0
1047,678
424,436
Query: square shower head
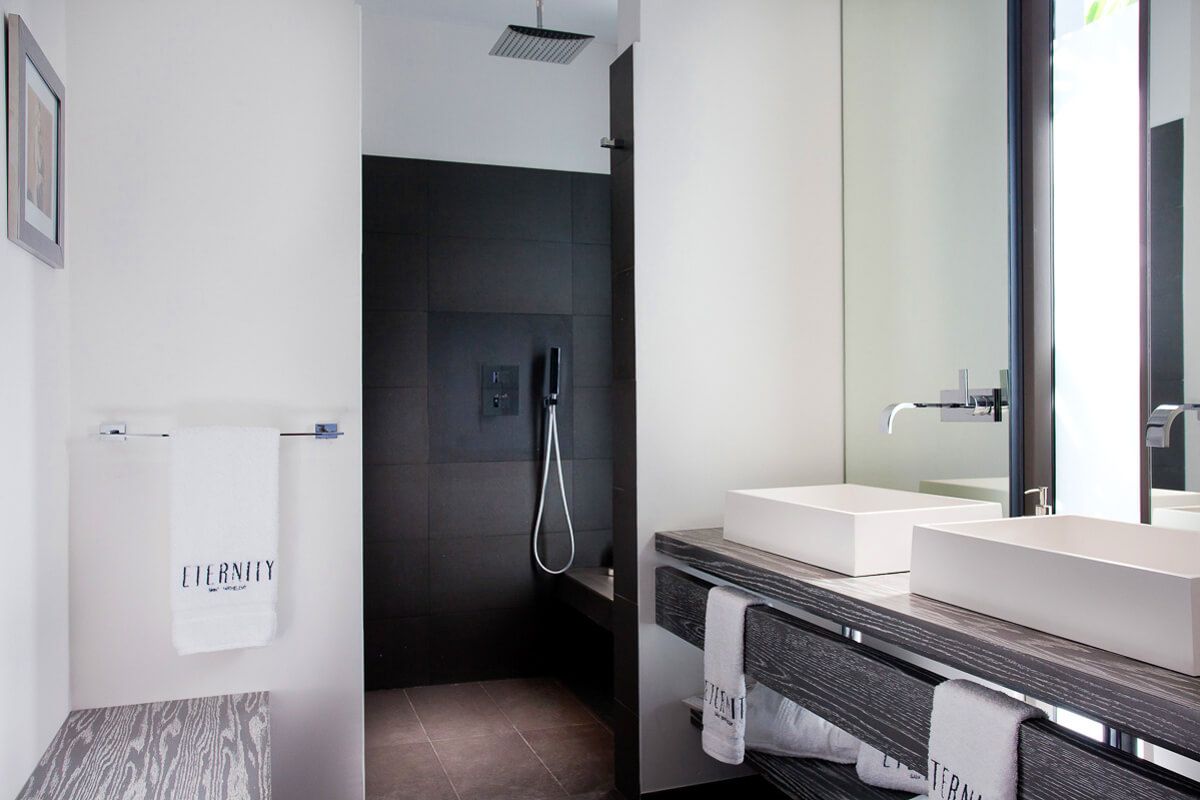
540,44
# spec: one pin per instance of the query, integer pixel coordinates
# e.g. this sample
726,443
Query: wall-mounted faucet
959,405
1158,427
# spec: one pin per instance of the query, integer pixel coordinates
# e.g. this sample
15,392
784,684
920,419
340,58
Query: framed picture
36,104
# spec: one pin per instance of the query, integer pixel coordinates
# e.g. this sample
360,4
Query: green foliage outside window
1098,9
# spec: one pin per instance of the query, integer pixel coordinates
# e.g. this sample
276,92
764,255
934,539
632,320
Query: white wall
430,90
925,93
738,293
34,398
215,260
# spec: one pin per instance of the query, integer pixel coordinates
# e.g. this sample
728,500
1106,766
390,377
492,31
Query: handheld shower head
540,44
553,370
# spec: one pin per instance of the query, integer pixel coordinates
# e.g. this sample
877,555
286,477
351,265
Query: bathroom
883,347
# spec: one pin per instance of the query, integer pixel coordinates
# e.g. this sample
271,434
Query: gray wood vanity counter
207,748
1150,702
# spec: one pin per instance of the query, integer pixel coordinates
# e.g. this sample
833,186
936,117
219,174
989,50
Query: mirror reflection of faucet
1158,427
959,405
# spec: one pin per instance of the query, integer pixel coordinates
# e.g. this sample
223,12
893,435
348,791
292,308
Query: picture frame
36,143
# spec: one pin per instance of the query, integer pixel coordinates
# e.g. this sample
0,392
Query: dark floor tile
396,579
457,710
535,703
395,426
593,506
592,269
591,207
493,498
459,345
497,275
394,349
390,720
396,653
483,645
395,502
593,410
481,573
593,350
395,195
491,202
395,272
500,767
406,772
580,757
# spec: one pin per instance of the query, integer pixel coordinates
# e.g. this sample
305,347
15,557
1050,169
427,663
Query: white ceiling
597,17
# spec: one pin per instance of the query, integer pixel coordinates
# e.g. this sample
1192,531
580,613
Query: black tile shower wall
468,265
1166,295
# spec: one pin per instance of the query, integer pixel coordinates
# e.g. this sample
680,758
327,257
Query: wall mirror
1173,259
926,211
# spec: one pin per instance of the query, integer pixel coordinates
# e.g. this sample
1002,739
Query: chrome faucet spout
1158,427
889,415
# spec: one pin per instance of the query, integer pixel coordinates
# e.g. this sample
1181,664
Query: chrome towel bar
117,430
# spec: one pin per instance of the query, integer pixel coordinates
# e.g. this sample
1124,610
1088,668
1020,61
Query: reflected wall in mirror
1174,254
925,130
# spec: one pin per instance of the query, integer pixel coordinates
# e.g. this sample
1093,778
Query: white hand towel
780,727
724,675
224,537
973,737
875,768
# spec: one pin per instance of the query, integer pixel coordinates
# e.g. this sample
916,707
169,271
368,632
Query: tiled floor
525,739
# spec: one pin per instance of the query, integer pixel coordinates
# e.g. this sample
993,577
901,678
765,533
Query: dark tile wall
1166,295
466,265
624,435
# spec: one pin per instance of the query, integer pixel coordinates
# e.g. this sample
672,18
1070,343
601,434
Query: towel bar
117,430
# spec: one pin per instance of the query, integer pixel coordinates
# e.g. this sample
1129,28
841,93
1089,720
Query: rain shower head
540,44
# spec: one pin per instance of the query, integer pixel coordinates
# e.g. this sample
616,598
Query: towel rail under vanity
887,703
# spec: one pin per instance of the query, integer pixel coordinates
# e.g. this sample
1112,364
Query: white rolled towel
780,727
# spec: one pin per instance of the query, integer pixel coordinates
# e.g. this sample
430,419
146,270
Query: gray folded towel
875,768
724,675
973,737
780,727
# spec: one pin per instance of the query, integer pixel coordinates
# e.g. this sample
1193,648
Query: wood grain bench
206,748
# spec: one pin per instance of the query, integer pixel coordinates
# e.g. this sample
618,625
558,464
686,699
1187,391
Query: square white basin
855,530
1131,589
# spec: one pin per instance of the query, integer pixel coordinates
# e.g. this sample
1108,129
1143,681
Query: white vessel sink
855,530
1185,518
1131,589
992,489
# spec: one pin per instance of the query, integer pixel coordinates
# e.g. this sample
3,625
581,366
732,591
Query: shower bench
217,748
886,701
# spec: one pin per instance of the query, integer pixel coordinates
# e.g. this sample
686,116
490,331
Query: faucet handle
964,386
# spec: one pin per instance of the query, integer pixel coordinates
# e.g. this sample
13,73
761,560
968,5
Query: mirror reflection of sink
1184,518
855,530
1131,589
994,490
1172,498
